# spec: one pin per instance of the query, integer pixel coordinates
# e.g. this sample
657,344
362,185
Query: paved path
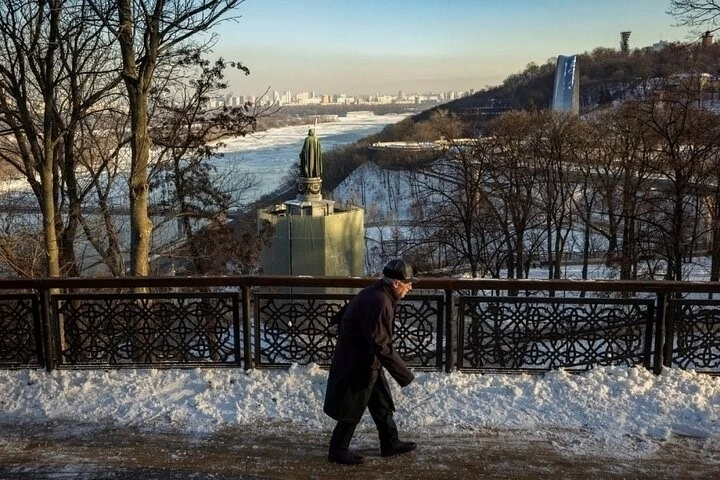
69,451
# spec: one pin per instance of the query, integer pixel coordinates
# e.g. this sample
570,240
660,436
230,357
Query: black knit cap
399,270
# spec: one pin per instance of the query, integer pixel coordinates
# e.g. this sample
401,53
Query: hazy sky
382,46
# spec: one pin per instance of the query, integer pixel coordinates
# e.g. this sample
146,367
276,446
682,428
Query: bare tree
685,136
618,166
150,33
513,182
187,136
21,241
54,75
696,13
454,208
558,141
101,147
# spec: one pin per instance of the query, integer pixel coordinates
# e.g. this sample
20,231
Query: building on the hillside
707,39
566,94
660,46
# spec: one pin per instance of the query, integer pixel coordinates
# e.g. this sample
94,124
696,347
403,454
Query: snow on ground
621,410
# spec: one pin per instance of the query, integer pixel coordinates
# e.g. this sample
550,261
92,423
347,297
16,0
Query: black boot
397,447
344,456
339,443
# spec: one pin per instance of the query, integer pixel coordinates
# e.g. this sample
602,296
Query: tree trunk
140,222
48,214
137,80
48,167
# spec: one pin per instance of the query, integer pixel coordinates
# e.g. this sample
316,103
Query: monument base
314,244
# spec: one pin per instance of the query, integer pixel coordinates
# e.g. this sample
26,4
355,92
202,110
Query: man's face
402,287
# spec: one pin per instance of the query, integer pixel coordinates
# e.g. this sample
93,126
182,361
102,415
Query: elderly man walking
364,350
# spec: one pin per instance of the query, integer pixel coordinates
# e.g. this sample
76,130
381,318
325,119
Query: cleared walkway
71,451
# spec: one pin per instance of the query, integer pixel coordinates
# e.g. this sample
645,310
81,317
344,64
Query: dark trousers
380,406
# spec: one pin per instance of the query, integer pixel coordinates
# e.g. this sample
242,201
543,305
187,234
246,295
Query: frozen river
269,155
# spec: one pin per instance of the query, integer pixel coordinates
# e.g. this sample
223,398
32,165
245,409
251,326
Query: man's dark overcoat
363,348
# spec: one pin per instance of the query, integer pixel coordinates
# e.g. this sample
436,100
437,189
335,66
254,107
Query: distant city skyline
382,47
313,98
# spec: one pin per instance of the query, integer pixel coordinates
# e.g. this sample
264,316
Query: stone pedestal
309,189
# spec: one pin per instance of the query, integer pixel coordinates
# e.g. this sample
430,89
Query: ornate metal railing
693,337
148,329
298,329
549,333
295,328
20,331
446,324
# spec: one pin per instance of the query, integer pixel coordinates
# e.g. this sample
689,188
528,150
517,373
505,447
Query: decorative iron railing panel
297,328
20,334
515,325
172,329
418,333
695,332
521,333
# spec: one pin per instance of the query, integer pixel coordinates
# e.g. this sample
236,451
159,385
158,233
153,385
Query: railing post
49,350
449,331
247,332
660,325
237,340
669,323
39,330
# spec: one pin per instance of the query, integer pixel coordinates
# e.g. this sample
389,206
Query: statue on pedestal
311,156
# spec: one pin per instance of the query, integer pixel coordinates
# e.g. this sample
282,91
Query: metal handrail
434,283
